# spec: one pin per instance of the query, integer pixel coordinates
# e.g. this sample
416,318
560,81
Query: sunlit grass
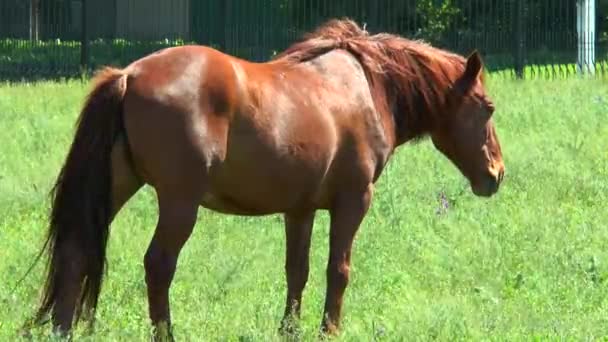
527,264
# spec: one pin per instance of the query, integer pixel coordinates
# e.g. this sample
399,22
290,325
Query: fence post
34,19
520,42
84,39
585,27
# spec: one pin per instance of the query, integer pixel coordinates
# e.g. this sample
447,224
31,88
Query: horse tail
81,201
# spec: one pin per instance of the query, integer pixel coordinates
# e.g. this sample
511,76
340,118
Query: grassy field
529,264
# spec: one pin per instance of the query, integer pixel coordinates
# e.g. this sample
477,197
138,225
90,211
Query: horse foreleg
346,216
298,228
176,221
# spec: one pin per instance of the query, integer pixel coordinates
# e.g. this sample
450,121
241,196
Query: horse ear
474,66
471,72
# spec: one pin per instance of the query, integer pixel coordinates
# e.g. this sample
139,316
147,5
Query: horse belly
259,177
263,188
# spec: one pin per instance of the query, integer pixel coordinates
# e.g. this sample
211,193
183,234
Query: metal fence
529,38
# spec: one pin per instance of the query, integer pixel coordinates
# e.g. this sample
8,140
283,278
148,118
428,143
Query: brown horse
311,129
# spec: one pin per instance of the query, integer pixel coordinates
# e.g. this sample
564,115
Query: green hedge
54,58
63,57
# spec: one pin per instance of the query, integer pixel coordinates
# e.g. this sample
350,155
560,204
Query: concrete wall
152,19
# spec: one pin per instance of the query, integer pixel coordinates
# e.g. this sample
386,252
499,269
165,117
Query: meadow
431,260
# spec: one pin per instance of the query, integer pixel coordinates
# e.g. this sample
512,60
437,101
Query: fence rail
59,38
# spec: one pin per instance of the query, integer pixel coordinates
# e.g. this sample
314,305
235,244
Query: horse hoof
162,333
328,330
290,329
25,334
162,338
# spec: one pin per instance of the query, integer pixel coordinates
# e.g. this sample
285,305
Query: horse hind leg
298,229
125,181
177,217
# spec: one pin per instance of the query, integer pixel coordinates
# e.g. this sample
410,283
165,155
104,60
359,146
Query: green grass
529,264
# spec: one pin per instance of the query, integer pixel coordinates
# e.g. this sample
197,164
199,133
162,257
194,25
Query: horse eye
490,107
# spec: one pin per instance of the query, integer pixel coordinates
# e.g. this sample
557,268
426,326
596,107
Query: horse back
252,138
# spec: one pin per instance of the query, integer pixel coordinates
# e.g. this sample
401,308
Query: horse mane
415,74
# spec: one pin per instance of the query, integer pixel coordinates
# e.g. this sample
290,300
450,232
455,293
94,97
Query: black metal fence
59,38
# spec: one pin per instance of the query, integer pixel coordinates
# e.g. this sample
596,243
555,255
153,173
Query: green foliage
528,264
256,30
602,21
23,56
437,17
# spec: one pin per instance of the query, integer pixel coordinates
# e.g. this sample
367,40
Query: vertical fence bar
34,20
519,38
221,22
373,16
84,39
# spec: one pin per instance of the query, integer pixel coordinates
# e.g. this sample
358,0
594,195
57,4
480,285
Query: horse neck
412,122
416,111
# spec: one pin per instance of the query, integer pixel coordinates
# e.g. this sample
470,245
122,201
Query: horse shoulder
370,132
